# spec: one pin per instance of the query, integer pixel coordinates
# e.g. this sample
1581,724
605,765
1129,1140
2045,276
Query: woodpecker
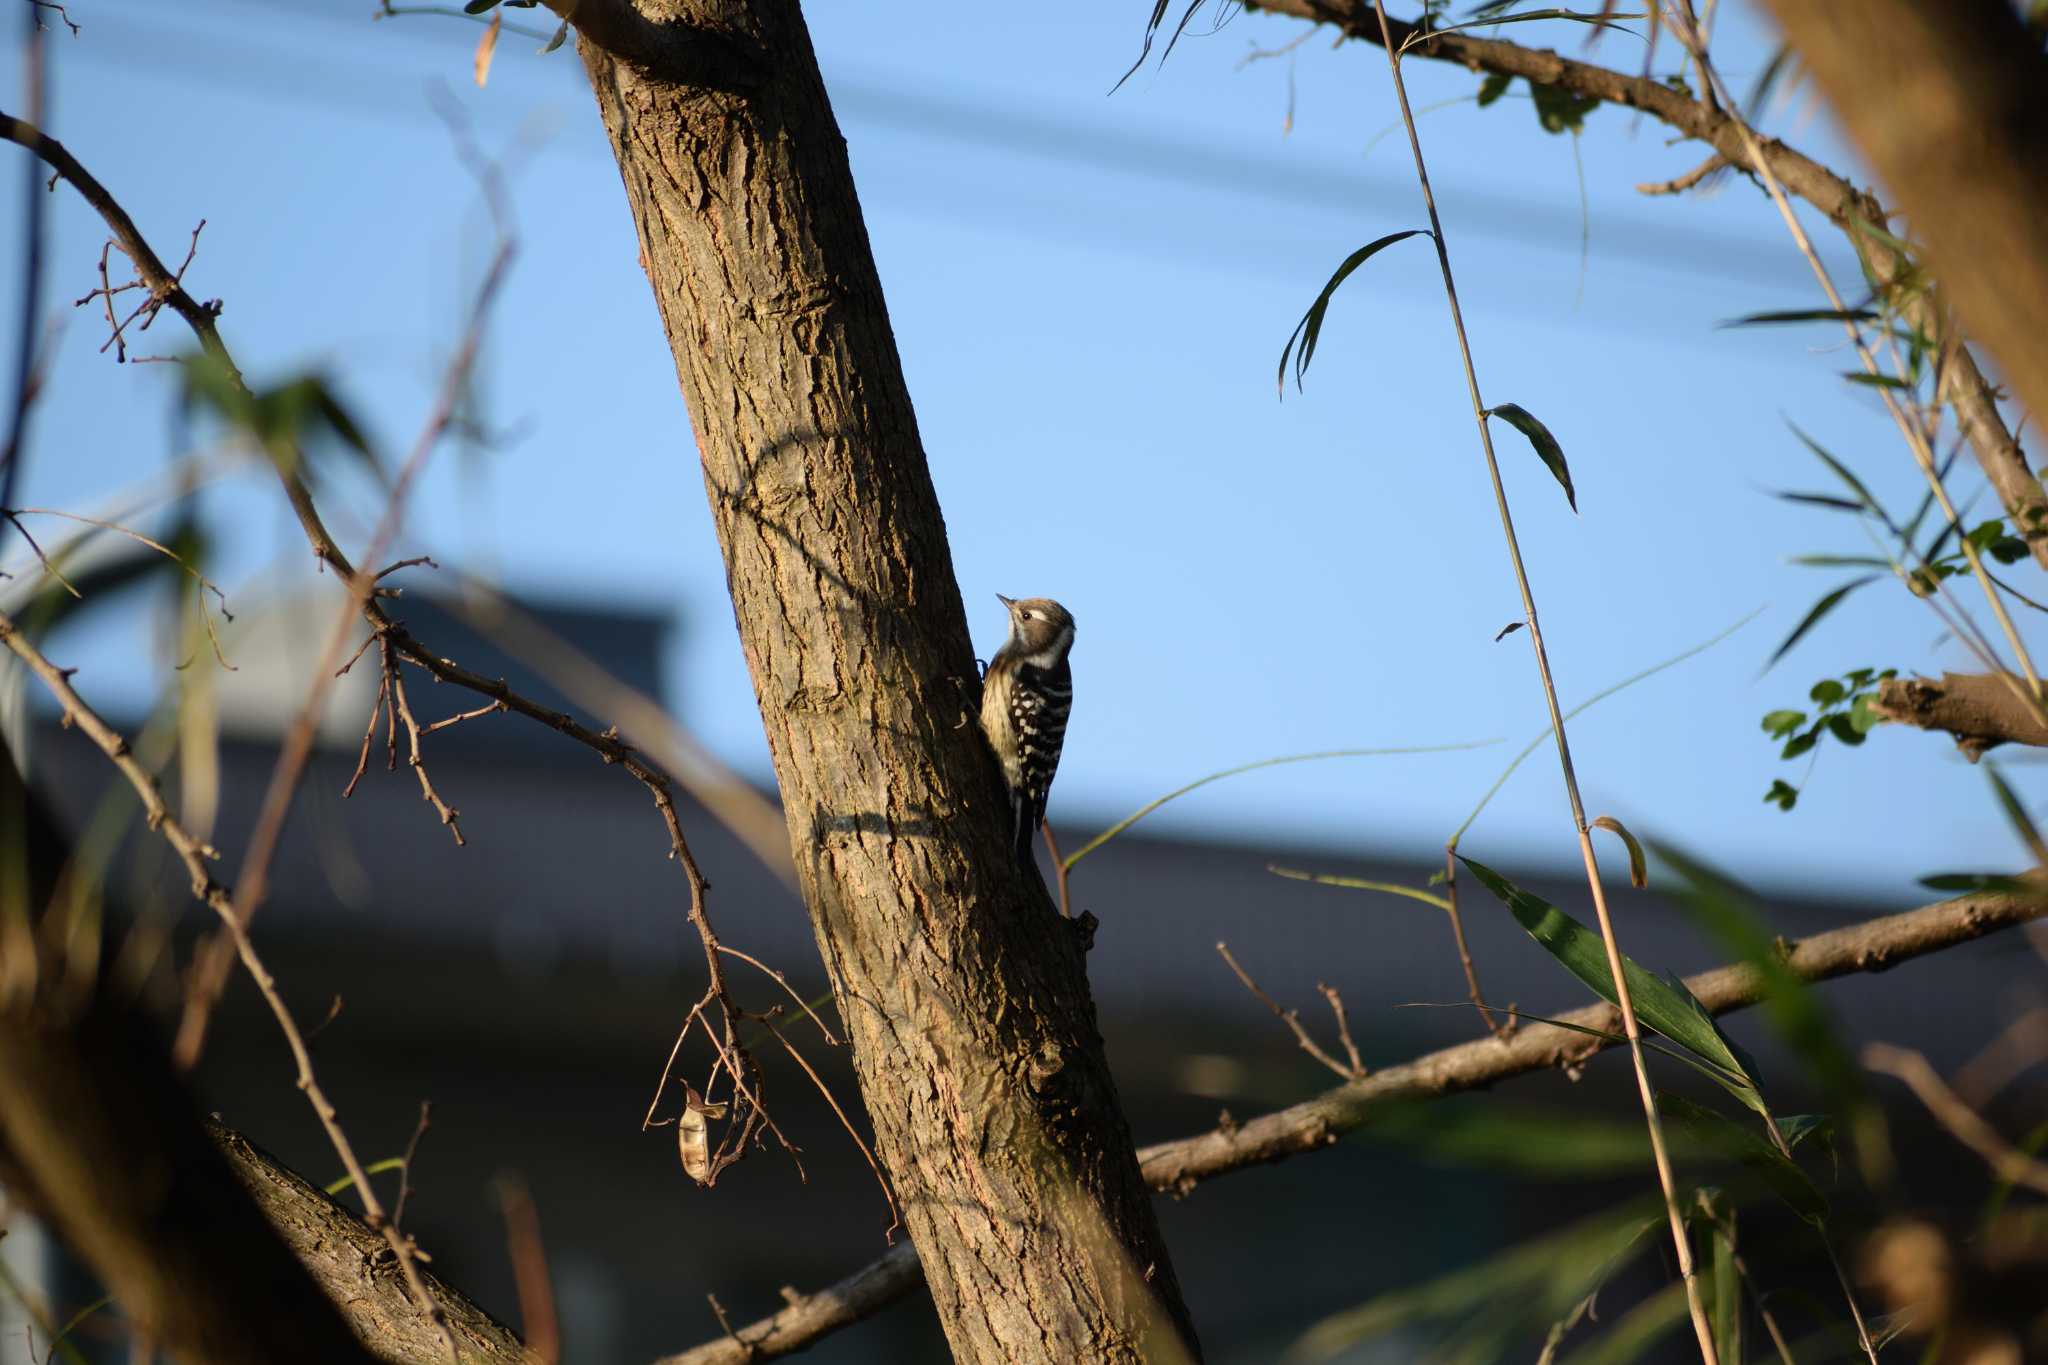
1025,697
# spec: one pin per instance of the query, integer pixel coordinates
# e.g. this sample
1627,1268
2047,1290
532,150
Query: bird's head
1040,628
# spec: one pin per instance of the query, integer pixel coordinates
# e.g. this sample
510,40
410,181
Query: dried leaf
1509,629
1638,875
693,1134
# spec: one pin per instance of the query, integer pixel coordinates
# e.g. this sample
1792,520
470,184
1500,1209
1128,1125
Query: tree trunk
965,995
1946,99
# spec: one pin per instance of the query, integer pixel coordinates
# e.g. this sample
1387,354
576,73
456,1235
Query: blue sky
1090,292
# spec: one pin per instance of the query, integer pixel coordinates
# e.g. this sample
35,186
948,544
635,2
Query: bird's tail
1024,833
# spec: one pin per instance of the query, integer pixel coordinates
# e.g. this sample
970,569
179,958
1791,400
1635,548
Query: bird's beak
1006,601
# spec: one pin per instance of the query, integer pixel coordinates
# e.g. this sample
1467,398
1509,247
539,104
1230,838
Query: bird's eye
1025,615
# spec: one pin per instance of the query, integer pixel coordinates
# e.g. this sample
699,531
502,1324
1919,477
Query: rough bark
1945,98
966,996
1178,1166
1979,709
1963,385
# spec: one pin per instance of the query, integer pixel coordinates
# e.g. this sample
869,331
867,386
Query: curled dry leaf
1509,629
693,1133
1638,874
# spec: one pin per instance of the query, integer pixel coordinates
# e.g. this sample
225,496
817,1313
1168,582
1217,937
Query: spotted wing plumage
1039,700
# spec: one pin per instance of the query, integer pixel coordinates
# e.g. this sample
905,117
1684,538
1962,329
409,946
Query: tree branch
690,54
1944,97
1979,709
1963,384
1177,1167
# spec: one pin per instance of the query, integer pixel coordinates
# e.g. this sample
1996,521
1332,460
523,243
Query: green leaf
1671,1012
1800,744
1598,20
1827,500
1550,1144
389,1163
1816,612
1778,724
1310,328
479,6
1559,110
1802,315
1827,692
561,34
1489,1306
1876,381
2015,813
1839,561
1783,793
1360,884
2010,550
1840,470
1721,908
1844,729
1861,716
1493,87
1546,446
1724,1136
1798,1128
1987,534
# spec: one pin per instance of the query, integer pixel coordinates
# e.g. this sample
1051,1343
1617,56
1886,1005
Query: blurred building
530,983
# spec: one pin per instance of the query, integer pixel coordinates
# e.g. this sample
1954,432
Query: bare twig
1343,1027
1292,1018
1965,1124
412,1148
51,569
1179,1166
1480,415
1679,184
1502,1027
394,696
252,885
1059,870
788,990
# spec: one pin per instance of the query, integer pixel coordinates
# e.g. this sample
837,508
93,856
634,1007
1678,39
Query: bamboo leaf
1310,328
1802,315
1841,471
1674,1013
1722,1135
1814,615
1638,875
1546,446
2022,823
1790,1003
1296,874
